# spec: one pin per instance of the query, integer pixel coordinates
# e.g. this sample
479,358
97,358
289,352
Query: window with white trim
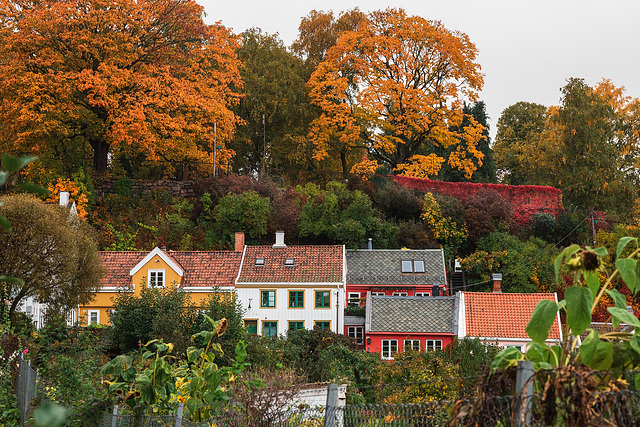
389,348
418,266
356,333
407,267
412,345
423,294
400,294
354,298
94,317
434,345
156,278
377,294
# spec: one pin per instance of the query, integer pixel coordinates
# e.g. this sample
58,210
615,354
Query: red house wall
388,289
525,199
377,337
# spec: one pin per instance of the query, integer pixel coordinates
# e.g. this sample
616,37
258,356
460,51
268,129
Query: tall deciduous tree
53,253
275,108
520,129
395,85
136,76
319,31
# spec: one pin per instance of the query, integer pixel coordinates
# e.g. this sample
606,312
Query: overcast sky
527,49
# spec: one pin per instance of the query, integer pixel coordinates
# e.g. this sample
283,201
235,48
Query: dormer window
289,262
156,278
413,266
260,262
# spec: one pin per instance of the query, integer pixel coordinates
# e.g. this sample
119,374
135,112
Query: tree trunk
343,162
100,155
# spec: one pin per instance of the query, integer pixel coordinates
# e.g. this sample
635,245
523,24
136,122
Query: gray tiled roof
412,314
384,267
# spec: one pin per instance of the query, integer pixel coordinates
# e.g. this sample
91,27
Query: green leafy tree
52,253
519,131
275,108
338,215
246,212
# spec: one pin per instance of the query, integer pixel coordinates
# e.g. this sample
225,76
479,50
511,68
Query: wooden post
179,414
524,393
331,410
114,417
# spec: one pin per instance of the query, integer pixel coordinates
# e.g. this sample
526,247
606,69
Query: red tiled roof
208,268
118,265
201,268
502,315
321,263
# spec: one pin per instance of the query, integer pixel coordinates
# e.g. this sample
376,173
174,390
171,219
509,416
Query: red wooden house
395,324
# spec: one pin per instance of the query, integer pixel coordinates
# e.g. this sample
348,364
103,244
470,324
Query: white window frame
423,294
400,294
97,313
353,299
412,345
378,294
433,345
417,263
156,271
388,349
407,266
356,333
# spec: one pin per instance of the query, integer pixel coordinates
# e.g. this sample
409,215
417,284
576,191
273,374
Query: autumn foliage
117,77
395,86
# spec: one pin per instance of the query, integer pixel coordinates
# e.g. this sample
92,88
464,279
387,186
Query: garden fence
552,404
25,388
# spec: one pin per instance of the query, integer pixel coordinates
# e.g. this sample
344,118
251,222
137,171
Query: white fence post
524,393
331,409
179,414
114,416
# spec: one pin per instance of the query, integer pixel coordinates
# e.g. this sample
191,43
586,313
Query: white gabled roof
159,252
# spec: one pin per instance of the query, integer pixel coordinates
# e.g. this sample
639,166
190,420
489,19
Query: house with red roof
501,318
196,272
396,324
284,288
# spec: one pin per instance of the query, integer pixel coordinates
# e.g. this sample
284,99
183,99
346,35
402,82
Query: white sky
527,49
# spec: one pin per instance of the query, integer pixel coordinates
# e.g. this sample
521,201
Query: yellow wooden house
198,272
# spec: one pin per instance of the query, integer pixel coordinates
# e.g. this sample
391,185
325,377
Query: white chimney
279,240
64,198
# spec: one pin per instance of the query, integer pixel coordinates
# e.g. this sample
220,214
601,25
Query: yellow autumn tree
396,86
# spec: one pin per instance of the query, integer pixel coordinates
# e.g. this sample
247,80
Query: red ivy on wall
525,199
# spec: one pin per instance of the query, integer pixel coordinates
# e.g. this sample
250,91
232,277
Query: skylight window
407,267
259,261
418,266
289,262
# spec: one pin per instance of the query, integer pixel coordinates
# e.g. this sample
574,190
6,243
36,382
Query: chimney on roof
370,244
279,240
239,246
64,198
497,281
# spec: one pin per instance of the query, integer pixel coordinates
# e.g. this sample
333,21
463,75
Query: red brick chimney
239,247
497,281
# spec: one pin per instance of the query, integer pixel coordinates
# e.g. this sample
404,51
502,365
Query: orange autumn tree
396,86
120,76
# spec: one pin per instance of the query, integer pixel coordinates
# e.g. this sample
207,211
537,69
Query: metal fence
25,388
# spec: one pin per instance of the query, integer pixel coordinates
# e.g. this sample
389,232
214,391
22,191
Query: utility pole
593,227
215,146
264,146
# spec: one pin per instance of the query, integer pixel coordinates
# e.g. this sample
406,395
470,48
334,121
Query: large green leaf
541,320
10,279
34,188
593,281
621,315
627,268
623,242
618,298
579,301
603,356
4,223
507,358
634,342
588,347
14,164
